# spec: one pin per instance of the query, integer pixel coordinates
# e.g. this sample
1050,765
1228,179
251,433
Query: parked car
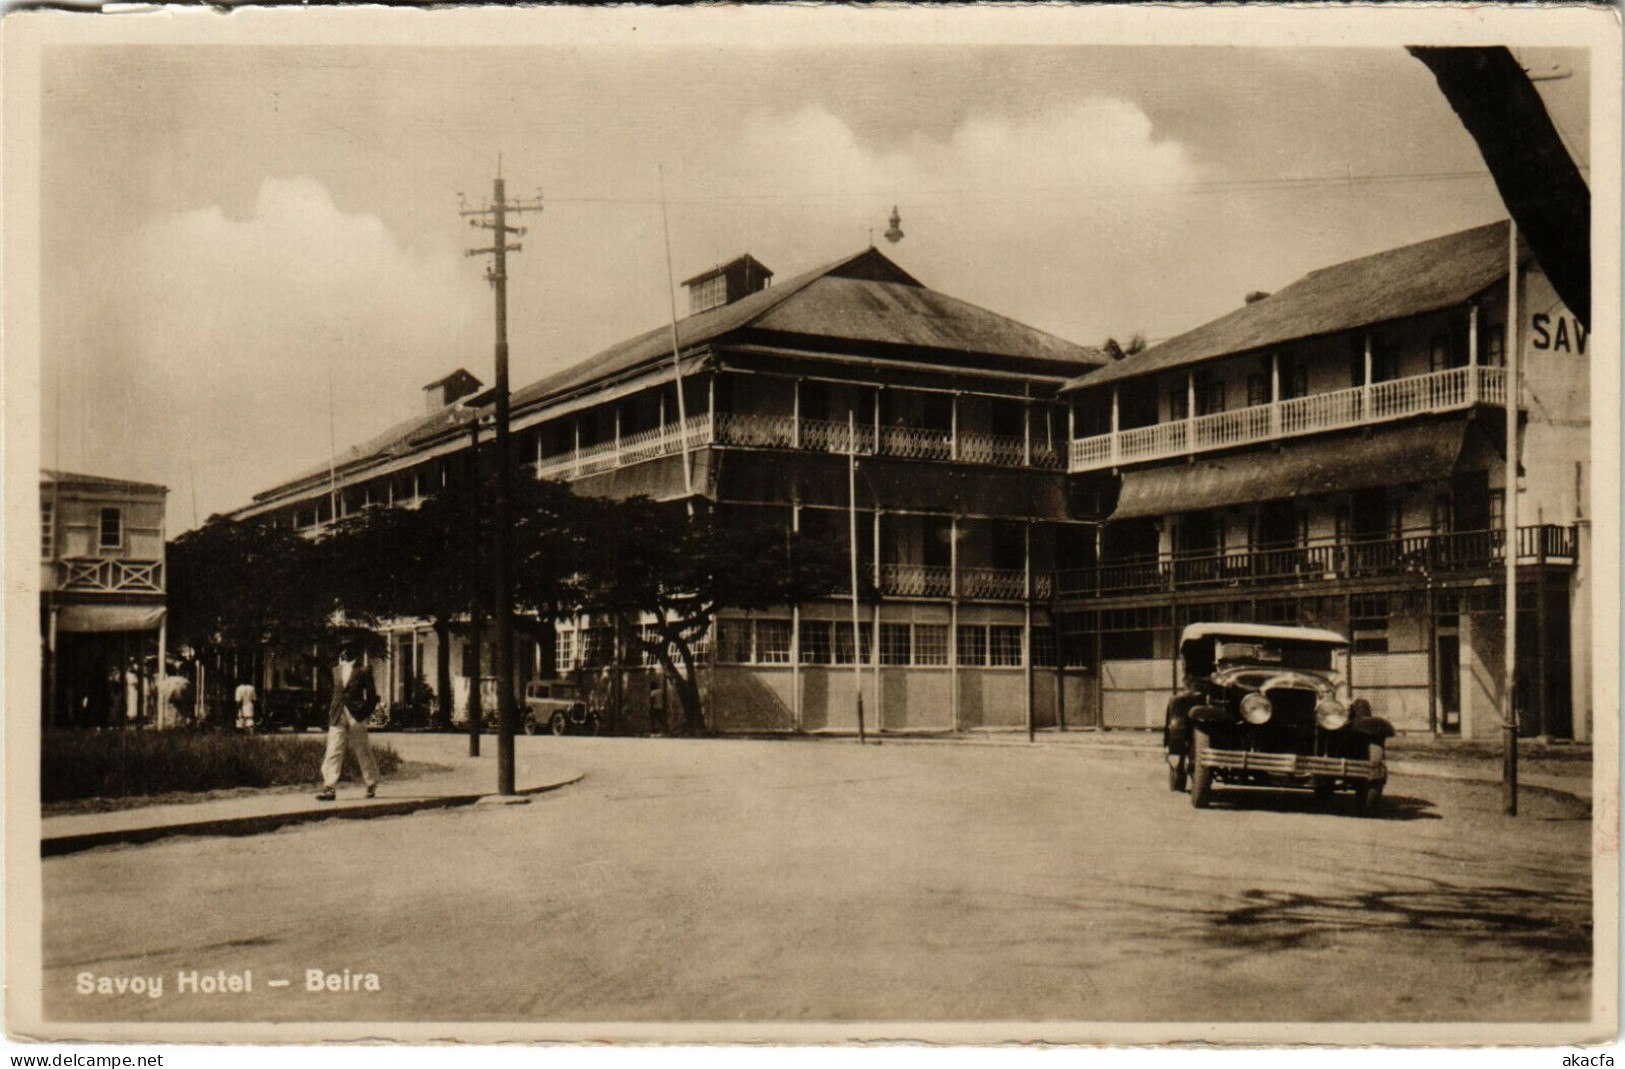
1268,706
558,707
292,709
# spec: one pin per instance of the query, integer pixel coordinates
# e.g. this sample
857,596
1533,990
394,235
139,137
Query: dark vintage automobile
293,709
1267,706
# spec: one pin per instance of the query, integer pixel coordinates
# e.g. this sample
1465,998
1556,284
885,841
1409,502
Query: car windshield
1287,655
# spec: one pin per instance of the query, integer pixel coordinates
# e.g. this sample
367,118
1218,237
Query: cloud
233,327
1039,217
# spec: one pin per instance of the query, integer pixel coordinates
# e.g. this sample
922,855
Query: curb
56,846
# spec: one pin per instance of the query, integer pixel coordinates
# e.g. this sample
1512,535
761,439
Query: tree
429,562
236,583
1117,351
651,565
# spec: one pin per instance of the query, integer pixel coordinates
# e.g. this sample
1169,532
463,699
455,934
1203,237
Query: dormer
727,283
454,387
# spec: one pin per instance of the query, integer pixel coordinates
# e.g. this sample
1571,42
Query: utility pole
494,217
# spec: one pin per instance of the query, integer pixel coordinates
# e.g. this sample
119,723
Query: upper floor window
111,533
1447,351
1492,346
1258,390
47,535
1178,404
1209,398
1294,377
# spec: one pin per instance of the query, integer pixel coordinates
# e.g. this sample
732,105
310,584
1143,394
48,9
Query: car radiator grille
1286,764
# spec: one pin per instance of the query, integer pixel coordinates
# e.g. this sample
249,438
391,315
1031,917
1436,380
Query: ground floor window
931,644
972,647
894,644
1004,646
816,647
1368,623
773,641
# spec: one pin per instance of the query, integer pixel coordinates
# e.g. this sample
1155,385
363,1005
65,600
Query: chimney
1256,296
454,387
726,283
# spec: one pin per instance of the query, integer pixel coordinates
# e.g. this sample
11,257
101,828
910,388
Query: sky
250,254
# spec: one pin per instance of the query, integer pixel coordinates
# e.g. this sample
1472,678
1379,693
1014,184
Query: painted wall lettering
1569,335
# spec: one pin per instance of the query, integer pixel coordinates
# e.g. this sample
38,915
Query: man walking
354,699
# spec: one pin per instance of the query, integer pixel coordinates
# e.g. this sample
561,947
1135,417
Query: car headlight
1331,714
1256,709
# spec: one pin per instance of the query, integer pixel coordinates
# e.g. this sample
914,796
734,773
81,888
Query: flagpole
676,359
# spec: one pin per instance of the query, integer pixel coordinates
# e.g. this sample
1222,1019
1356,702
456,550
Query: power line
1124,188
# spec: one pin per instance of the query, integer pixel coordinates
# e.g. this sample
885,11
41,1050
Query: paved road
807,881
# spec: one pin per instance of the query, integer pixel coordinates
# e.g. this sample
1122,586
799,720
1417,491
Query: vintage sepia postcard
812,524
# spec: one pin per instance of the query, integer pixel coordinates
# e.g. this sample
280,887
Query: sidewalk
468,780
1443,760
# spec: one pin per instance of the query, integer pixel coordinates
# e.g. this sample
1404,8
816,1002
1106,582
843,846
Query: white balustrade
1440,391
644,445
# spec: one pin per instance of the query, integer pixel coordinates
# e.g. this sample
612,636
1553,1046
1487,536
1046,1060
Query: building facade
1334,455
102,592
948,412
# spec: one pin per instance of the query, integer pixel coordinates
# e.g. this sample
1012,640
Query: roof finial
894,233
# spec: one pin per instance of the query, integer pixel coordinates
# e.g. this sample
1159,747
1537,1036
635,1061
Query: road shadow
1549,926
1394,807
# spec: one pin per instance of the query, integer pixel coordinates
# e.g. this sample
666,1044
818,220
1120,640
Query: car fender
1374,728
1210,716
1176,727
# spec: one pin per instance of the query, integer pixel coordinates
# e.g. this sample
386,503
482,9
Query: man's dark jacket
359,698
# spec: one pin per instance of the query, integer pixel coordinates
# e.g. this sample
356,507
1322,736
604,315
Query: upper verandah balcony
1401,333
1433,392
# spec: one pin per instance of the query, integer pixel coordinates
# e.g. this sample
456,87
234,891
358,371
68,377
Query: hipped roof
864,297
1407,281
98,482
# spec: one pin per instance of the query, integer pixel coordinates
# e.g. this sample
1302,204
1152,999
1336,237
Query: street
816,880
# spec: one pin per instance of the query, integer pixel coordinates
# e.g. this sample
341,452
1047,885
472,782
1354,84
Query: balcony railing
913,443
111,576
975,584
1440,391
629,449
808,435
1417,555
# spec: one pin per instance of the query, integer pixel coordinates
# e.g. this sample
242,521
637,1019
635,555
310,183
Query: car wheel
1368,796
530,725
557,724
593,724
1177,772
1201,777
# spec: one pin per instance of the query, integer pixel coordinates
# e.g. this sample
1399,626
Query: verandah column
1472,354
1117,452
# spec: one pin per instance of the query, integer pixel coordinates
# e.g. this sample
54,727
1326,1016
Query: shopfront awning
1414,454
96,618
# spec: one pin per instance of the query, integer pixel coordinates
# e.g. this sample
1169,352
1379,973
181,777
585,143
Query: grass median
116,769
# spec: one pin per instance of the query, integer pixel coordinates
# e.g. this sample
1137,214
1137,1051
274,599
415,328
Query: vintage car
1269,706
558,707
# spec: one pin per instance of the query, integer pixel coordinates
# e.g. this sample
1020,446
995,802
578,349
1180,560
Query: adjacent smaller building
101,598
